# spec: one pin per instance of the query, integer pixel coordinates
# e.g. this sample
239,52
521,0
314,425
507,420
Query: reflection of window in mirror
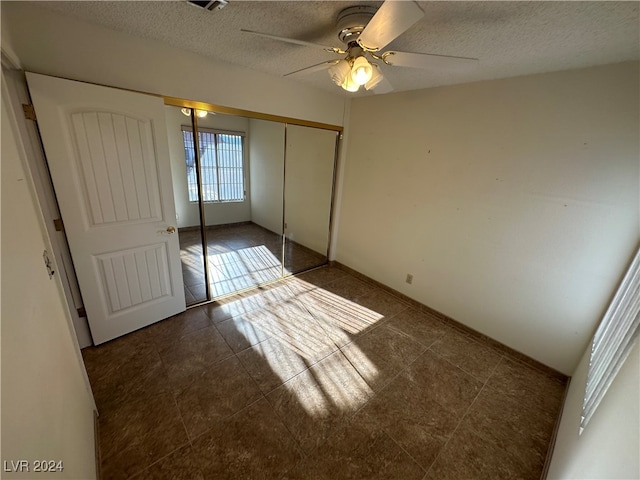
221,165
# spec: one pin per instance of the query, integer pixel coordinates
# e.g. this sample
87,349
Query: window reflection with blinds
221,165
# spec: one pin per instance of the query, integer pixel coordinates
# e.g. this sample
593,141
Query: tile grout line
264,396
376,394
202,434
502,356
465,413
175,401
403,450
138,474
154,339
397,374
204,369
293,437
400,372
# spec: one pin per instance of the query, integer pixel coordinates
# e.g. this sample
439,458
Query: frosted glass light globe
361,71
349,85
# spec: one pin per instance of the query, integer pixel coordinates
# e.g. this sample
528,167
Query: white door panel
109,160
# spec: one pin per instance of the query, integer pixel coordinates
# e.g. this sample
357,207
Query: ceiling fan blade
295,41
391,20
429,61
383,87
313,68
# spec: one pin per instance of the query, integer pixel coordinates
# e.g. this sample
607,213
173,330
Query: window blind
613,340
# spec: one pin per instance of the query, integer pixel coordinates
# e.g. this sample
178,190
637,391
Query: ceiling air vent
209,4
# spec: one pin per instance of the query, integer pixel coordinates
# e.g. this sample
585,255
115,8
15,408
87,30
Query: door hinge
82,312
59,226
29,112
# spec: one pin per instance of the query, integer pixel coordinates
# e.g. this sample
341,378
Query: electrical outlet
409,279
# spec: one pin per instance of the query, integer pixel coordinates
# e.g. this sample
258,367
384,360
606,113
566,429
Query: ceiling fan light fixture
350,85
361,71
376,77
339,72
199,113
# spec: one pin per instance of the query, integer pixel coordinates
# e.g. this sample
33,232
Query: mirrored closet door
308,192
243,164
253,199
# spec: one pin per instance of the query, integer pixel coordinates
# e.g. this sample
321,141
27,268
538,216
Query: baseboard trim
554,435
195,228
96,433
514,354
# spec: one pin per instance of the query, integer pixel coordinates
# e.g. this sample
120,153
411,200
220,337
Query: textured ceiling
509,38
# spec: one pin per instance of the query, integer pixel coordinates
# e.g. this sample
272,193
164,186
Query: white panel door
109,160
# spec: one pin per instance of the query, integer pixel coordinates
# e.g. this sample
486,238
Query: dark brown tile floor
241,256
320,376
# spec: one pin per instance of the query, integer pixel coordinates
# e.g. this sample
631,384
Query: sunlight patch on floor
329,388
192,258
294,328
308,329
240,269
342,384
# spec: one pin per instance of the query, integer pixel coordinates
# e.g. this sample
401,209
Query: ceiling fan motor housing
351,22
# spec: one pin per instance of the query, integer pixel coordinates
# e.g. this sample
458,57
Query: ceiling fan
366,31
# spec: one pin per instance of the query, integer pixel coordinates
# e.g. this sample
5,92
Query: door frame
29,135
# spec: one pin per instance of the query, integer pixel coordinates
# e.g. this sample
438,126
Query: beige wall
514,203
266,164
188,213
47,408
608,447
54,44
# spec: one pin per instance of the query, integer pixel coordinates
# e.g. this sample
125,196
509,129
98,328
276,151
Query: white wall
266,164
514,203
309,162
47,409
608,447
54,44
188,213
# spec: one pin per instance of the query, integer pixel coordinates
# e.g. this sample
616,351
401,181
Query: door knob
171,229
